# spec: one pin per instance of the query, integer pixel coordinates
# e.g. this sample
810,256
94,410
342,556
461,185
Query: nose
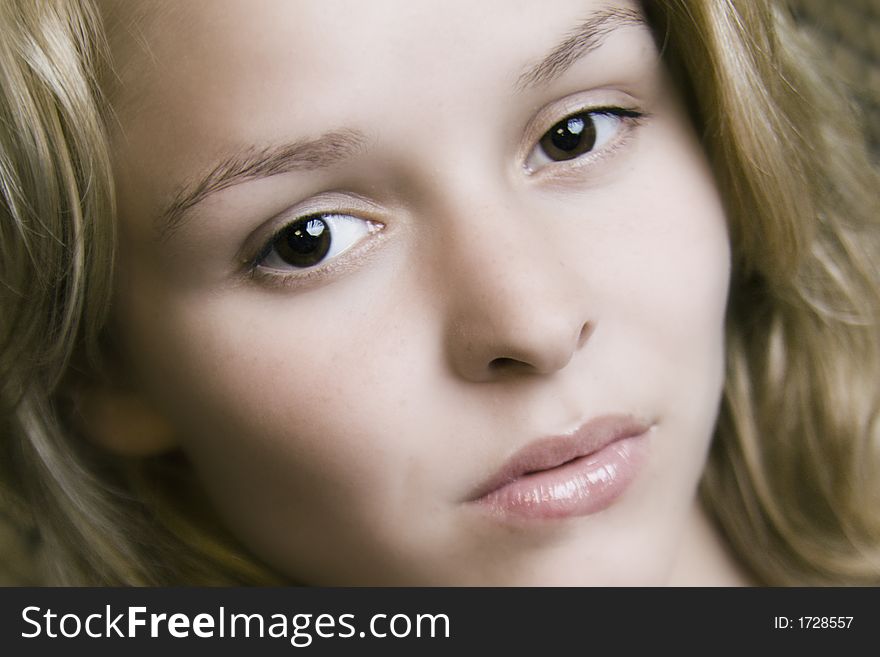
515,304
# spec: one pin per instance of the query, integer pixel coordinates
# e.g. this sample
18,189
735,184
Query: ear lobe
122,422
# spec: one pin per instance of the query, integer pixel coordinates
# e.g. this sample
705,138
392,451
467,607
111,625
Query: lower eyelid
341,265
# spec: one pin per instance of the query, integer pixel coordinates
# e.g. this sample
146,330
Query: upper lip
552,451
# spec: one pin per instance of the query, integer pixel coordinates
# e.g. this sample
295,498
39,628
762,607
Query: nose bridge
513,301
501,261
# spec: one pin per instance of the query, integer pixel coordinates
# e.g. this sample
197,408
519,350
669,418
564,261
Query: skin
339,420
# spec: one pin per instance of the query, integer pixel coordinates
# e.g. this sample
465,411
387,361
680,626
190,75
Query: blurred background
849,31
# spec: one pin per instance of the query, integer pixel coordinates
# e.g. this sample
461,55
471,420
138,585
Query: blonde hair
792,478
100,519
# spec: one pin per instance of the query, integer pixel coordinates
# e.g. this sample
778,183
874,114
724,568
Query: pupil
571,137
567,137
305,242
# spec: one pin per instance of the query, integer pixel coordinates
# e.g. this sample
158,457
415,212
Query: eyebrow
253,163
586,38
337,145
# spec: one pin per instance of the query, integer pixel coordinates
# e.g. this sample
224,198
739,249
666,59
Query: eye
579,134
314,239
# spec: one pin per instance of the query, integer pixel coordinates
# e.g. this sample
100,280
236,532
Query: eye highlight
313,240
579,134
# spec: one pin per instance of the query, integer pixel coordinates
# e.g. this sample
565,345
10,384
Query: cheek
656,272
685,257
293,409
281,368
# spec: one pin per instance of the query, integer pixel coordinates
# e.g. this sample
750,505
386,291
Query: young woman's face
431,292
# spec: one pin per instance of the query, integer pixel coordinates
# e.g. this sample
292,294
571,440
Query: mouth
574,474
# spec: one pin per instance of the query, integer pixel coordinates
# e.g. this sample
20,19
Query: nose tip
554,355
545,346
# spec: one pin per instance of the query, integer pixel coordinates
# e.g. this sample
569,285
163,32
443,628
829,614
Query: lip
573,474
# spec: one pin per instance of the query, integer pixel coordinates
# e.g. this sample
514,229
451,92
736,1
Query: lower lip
580,487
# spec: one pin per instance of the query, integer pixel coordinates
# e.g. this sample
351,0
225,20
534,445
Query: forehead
187,54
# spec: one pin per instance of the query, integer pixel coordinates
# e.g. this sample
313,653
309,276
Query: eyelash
629,120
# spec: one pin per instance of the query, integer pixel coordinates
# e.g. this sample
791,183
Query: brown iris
304,243
570,138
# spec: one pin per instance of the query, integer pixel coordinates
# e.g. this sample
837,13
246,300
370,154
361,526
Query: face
431,293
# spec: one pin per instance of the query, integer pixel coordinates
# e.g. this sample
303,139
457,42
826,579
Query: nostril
501,364
586,331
